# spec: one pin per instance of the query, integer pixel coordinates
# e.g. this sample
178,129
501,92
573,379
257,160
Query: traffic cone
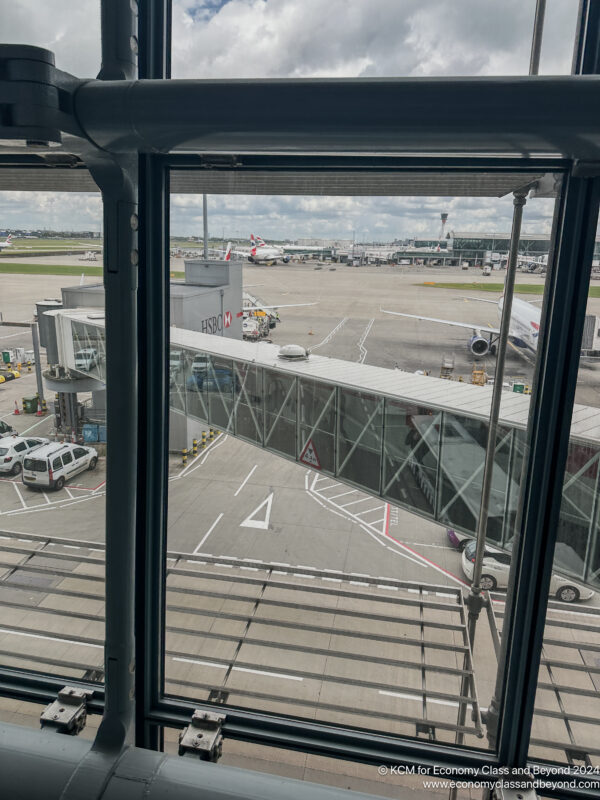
39,412
16,412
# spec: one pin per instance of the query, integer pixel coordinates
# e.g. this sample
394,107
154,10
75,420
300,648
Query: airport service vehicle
523,332
7,242
251,329
6,429
87,359
50,466
487,270
495,569
13,450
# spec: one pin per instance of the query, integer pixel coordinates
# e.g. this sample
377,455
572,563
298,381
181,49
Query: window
67,458
57,464
282,547
20,446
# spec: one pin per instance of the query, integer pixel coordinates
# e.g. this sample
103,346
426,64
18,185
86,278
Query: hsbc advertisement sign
217,323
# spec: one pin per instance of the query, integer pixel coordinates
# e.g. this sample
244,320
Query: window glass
365,38
20,446
74,38
79,452
328,431
53,595
67,458
566,726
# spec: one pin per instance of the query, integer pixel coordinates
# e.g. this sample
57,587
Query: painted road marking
198,661
208,533
343,494
269,674
261,524
23,503
246,479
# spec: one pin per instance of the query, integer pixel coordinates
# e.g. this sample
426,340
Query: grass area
498,288
50,269
59,269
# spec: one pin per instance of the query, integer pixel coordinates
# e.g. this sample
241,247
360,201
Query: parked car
87,359
54,464
13,450
6,429
200,364
496,566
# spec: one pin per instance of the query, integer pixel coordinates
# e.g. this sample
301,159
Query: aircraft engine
286,259
479,346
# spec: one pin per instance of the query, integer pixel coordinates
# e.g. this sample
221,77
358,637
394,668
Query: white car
86,359
495,569
13,450
52,465
6,429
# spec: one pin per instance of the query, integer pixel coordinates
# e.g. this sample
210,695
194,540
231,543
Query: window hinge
68,713
203,738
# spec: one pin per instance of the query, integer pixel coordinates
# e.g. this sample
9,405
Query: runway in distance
523,331
7,242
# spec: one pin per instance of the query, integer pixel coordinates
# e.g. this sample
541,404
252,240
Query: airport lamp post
475,600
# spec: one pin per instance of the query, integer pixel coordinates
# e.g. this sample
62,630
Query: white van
13,450
52,465
86,359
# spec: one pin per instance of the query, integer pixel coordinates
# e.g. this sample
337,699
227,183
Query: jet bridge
415,441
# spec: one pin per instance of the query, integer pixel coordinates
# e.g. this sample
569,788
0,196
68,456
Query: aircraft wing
467,325
280,305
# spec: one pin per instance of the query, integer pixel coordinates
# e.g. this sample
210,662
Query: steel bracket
203,738
502,792
68,713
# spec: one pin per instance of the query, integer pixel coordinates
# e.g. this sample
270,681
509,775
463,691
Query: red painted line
387,518
424,558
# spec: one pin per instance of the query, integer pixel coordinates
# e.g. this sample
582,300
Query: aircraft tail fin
228,252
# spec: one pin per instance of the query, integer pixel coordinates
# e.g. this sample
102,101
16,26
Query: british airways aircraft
523,331
7,242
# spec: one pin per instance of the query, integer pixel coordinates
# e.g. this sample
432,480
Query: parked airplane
523,331
7,242
263,253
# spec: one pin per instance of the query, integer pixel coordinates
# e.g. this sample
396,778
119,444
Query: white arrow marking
262,524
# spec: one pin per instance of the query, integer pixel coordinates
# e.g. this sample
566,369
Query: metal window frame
556,374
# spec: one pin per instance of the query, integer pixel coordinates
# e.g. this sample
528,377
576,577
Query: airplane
269,254
7,242
523,333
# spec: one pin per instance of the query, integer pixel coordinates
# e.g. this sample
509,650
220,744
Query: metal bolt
55,716
135,257
133,43
134,222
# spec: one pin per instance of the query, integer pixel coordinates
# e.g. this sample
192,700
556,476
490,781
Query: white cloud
305,38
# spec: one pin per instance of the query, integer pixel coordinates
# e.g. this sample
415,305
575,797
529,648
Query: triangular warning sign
309,455
261,524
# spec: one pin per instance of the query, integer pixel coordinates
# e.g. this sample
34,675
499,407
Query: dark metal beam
486,115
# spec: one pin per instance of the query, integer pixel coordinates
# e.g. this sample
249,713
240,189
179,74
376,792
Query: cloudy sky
306,38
